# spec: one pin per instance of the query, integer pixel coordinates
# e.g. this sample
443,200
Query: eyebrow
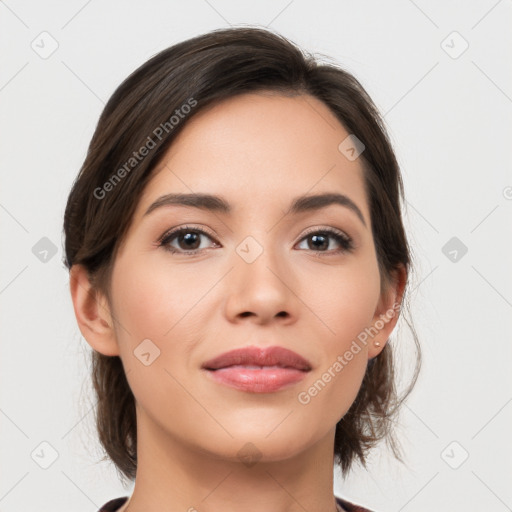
215,203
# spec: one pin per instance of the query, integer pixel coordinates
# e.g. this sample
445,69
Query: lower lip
262,380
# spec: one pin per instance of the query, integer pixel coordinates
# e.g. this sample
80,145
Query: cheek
156,303
154,300
344,301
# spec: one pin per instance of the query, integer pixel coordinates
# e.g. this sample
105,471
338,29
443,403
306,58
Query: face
257,275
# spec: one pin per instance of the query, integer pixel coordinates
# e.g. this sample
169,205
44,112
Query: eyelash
343,240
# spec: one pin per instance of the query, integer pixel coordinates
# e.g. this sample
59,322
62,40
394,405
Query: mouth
257,370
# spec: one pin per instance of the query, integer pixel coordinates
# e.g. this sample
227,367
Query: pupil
190,237
319,237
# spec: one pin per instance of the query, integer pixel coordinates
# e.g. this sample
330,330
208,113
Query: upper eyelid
320,229
174,231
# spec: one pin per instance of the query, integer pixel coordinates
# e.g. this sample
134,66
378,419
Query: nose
261,292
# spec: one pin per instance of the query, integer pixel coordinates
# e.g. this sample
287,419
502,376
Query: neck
174,476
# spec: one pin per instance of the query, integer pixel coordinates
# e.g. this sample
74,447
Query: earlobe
387,312
92,313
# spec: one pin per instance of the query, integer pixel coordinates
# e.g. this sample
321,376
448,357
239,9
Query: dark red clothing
115,504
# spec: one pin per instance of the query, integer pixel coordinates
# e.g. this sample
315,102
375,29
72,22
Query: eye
320,239
187,238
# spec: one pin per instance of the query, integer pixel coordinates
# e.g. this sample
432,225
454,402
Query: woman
238,263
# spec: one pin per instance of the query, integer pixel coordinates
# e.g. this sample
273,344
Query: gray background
448,110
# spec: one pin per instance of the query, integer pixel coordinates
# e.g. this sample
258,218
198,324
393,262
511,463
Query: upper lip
257,356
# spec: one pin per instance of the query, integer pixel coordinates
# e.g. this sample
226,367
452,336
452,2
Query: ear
92,313
387,312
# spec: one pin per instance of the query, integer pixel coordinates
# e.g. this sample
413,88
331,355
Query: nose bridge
259,282
262,245
259,260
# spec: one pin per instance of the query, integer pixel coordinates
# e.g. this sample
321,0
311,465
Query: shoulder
351,507
113,505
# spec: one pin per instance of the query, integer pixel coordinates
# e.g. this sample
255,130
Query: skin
190,428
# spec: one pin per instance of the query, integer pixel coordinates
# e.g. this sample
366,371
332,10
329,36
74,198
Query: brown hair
196,73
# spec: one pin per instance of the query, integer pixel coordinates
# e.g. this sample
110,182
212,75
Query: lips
259,357
258,370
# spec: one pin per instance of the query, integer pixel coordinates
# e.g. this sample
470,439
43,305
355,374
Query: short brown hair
209,68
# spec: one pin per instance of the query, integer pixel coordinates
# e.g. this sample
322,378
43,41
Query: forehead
259,150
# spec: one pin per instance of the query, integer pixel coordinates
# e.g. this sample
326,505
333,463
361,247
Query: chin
259,447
